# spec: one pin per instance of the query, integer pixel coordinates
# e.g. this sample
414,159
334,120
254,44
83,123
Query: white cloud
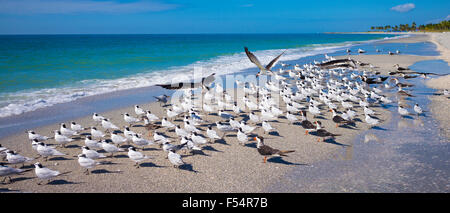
403,8
83,6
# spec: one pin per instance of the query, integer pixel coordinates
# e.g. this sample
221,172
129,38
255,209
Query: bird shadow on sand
251,145
187,167
280,160
61,182
18,179
137,125
30,166
246,118
2,190
210,148
149,149
407,117
346,126
58,158
387,106
149,164
297,123
357,120
275,133
104,171
333,141
77,138
72,146
108,163
221,141
198,152
320,117
120,156
378,128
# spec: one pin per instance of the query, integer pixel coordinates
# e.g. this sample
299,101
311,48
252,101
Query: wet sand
440,104
224,166
442,41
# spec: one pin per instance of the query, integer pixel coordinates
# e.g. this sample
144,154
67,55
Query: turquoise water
42,70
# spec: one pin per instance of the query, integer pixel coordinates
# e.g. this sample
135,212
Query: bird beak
254,138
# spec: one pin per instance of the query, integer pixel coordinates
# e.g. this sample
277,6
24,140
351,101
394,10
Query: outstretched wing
274,61
208,80
253,59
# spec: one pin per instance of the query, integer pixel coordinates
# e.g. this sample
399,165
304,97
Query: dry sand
225,166
440,105
442,41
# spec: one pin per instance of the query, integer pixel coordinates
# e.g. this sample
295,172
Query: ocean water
38,71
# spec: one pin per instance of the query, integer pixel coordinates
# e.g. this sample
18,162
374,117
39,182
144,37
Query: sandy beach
442,41
223,166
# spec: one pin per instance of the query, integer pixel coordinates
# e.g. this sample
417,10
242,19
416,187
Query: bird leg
318,139
265,159
336,125
306,133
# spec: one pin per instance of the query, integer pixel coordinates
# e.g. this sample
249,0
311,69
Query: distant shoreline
388,33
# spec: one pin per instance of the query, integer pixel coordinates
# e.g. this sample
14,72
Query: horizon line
204,33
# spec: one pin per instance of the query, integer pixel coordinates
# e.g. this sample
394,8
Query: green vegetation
439,27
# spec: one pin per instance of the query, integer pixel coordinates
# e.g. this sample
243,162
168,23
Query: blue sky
211,16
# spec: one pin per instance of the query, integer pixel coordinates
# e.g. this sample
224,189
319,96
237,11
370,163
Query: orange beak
254,138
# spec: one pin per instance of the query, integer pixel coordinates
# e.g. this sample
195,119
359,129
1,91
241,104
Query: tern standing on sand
44,173
175,158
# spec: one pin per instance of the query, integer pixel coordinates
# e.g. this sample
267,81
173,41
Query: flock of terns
335,85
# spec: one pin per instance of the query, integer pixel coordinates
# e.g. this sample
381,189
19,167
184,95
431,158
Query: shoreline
224,166
23,102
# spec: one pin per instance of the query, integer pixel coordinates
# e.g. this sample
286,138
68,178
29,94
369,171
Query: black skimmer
337,61
378,80
266,151
204,83
307,125
255,60
338,119
399,84
399,68
402,92
322,132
